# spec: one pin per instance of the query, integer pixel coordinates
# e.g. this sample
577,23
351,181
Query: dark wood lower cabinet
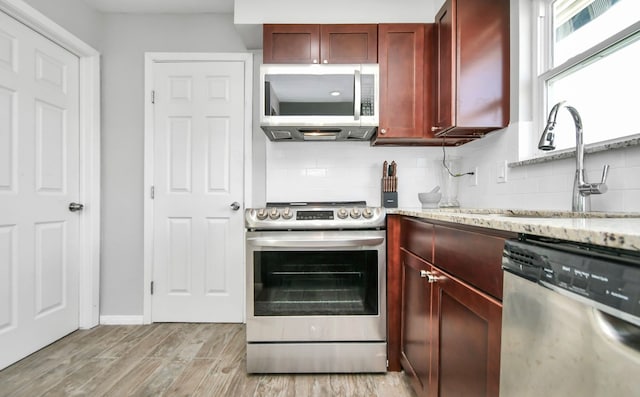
467,356
416,313
450,329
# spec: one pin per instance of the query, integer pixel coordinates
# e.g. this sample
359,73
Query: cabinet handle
325,61
434,129
315,61
429,276
383,131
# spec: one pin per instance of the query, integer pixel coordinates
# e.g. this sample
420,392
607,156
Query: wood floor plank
200,333
53,362
72,384
191,377
275,386
158,383
312,385
132,339
217,341
173,360
134,379
171,345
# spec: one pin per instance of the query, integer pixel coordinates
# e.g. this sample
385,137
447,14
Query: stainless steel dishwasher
571,320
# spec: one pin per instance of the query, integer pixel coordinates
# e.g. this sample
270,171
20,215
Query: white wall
75,16
126,38
334,11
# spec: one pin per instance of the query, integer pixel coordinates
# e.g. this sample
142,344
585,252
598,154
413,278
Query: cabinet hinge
153,96
152,288
153,192
387,363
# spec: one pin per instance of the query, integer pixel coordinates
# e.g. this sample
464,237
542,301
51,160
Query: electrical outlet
501,175
473,181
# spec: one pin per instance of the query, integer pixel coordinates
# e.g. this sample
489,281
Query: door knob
235,206
73,207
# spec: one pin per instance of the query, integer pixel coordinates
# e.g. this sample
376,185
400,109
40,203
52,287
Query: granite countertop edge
615,230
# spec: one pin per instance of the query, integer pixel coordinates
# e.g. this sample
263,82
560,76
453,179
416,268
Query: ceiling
162,6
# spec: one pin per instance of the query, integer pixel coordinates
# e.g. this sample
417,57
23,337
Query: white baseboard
121,320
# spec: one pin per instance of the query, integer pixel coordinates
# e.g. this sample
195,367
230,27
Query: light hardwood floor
172,360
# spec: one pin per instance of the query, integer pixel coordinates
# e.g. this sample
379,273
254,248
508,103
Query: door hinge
153,96
152,288
153,192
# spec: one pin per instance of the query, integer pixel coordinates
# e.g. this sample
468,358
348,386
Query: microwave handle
357,96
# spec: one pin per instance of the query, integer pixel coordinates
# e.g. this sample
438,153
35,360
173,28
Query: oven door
305,286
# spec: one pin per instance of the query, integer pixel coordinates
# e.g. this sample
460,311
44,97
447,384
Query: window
589,56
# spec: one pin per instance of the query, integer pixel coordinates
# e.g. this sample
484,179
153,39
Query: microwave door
293,96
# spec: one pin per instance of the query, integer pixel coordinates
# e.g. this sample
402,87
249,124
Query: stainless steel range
316,296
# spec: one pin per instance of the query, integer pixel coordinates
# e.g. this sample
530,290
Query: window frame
544,71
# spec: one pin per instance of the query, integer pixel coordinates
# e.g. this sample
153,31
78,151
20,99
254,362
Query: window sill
633,140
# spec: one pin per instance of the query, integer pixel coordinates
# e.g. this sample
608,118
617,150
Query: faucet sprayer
581,189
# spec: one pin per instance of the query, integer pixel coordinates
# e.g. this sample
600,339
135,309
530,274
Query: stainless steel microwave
319,102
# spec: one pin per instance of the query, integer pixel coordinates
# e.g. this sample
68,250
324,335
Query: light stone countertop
615,230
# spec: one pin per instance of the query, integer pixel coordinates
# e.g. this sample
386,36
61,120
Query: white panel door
39,177
198,270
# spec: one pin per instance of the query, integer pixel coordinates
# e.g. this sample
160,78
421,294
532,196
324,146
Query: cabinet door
445,68
291,43
483,64
349,43
416,308
467,356
401,58
472,83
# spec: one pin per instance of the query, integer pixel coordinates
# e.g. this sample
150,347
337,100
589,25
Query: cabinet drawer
473,257
417,238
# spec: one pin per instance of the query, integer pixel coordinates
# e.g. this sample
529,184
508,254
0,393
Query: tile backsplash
547,185
321,171
305,171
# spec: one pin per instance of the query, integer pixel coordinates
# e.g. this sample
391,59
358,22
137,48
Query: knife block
389,199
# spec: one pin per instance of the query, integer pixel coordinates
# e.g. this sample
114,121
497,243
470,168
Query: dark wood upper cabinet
401,58
406,55
349,43
291,43
472,69
308,43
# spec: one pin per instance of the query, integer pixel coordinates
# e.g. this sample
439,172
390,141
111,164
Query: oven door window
315,283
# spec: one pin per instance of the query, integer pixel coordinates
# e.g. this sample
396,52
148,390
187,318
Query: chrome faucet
582,190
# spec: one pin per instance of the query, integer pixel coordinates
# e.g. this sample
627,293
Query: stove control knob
355,213
262,214
287,213
343,213
367,213
274,213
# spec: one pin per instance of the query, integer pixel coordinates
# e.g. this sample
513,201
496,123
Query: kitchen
292,171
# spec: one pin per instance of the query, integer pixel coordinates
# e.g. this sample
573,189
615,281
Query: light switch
502,171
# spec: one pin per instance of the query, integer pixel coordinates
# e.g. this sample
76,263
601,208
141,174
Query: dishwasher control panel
609,277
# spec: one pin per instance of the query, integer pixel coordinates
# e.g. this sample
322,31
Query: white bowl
429,200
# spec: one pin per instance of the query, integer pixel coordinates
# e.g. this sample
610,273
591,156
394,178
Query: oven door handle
315,243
